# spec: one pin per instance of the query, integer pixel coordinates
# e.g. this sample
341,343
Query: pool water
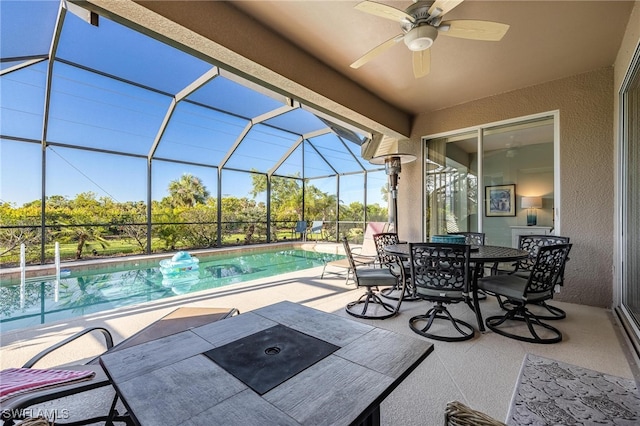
87,292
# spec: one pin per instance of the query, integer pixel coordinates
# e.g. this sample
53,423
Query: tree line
186,218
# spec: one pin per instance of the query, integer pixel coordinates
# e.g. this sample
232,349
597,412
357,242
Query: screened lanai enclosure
113,142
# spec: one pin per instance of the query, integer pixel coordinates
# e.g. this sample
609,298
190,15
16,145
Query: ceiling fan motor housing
421,37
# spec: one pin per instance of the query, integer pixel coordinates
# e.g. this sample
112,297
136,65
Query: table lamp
532,204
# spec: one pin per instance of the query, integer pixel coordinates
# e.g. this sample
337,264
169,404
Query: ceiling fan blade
421,63
379,49
383,11
474,30
444,5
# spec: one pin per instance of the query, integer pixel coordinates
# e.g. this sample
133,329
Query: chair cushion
375,277
510,286
14,381
433,293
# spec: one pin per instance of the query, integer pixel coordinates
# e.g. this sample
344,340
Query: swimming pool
87,292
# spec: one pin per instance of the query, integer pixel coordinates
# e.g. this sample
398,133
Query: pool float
180,263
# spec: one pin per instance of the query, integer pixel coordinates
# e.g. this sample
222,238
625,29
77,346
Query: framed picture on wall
500,200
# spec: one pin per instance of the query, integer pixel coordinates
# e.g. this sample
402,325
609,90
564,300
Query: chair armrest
107,338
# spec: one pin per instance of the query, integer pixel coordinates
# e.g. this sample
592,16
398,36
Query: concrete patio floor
481,372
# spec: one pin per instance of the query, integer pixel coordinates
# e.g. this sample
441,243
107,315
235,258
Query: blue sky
126,114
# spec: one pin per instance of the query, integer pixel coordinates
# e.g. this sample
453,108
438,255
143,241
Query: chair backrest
471,238
301,226
368,244
385,239
547,269
347,252
440,271
316,227
532,244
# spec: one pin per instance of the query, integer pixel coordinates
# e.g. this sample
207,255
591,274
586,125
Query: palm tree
188,191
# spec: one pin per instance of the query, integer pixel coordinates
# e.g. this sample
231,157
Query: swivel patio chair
440,274
370,305
398,267
522,268
522,292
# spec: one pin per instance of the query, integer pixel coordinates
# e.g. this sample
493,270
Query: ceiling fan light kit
420,38
420,24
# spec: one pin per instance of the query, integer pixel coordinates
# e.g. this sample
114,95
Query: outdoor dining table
284,364
479,255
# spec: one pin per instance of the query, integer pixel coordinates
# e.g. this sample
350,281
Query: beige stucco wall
586,170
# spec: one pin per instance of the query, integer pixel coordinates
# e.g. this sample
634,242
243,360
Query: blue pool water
87,292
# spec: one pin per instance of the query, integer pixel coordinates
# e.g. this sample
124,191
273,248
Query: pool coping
32,271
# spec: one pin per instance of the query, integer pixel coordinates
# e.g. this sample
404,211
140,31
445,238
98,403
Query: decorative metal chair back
547,269
440,271
382,240
532,244
471,238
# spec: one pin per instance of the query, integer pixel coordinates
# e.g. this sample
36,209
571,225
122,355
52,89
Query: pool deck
481,372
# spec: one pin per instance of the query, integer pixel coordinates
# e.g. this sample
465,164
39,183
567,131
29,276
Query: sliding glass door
630,197
471,192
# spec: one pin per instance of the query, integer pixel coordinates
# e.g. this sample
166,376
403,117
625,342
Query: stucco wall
586,170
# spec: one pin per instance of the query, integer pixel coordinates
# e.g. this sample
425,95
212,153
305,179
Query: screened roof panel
297,121
199,135
314,164
119,51
91,110
26,27
292,166
118,95
334,151
22,101
226,95
261,149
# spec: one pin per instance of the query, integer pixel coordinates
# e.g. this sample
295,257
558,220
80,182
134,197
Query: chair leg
365,306
439,311
555,313
521,314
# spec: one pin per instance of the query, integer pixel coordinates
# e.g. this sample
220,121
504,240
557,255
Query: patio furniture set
445,273
289,364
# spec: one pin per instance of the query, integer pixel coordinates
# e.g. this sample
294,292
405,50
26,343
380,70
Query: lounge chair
14,408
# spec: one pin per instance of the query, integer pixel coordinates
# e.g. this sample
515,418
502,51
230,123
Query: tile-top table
283,364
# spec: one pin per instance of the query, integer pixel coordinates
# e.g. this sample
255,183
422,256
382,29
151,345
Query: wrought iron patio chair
522,268
398,267
370,305
440,274
522,292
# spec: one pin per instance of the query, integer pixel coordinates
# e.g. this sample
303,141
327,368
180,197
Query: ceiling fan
421,23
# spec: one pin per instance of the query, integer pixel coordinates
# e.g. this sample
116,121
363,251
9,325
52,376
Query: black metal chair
521,292
522,268
398,267
370,305
440,273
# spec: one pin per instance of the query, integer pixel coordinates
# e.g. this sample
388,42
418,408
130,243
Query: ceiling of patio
547,40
